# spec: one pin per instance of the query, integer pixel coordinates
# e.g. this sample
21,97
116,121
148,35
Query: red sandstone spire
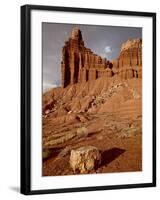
79,63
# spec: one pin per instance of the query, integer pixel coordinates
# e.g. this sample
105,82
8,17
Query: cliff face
80,64
129,62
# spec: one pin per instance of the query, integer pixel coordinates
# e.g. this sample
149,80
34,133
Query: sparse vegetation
53,142
82,132
128,132
60,138
46,153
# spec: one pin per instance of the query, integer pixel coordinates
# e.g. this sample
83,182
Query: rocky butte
80,64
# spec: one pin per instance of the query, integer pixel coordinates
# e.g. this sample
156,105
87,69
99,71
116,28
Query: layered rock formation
87,126
80,64
129,62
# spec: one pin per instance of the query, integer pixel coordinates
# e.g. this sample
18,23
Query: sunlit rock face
80,64
129,61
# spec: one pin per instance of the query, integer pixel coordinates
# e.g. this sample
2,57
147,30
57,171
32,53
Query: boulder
85,159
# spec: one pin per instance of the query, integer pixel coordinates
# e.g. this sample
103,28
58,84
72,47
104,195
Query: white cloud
103,55
108,49
48,86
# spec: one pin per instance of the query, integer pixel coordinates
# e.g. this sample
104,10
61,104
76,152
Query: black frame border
25,182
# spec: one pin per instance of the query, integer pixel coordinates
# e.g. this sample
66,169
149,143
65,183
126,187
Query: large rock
85,159
79,63
129,62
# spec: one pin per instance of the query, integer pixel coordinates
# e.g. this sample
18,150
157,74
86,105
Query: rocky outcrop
80,64
129,62
85,159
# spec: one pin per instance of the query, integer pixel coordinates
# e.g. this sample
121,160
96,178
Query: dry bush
46,153
82,132
52,143
129,132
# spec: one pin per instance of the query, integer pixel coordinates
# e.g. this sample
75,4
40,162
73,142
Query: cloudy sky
102,40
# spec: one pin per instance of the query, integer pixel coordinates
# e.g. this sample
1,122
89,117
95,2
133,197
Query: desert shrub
82,132
46,153
99,100
54,142
128,132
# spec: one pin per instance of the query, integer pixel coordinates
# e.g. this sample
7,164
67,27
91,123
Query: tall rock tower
71,58
80,64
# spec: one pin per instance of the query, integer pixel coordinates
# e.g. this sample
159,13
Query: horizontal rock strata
79,64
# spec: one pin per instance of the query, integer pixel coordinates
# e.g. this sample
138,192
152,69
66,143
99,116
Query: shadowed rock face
79,64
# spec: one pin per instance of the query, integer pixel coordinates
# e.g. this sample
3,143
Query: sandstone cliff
129,62
79,64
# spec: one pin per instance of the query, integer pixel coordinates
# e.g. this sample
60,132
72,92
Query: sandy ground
116,135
